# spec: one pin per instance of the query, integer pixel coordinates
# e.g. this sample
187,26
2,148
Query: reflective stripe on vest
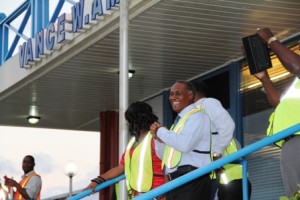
23,183
171,156
138,167
287,112
231,148
231,171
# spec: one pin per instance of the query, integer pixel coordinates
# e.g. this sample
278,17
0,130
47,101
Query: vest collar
186,110
28,174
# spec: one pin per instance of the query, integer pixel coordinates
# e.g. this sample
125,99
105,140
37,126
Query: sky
52,148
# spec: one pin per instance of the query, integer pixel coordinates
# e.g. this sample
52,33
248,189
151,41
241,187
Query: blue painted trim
236,100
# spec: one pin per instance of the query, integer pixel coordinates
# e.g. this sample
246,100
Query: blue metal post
236,100
245,179
58,9
3,39
39,15
19,33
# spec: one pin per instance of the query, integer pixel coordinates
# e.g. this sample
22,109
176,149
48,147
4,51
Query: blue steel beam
39,15
18,34
17,12
4,24
57,11
3,40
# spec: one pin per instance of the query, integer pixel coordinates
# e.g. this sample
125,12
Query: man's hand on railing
217,157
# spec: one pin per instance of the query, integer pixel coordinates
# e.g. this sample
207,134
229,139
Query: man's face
180,97
27,165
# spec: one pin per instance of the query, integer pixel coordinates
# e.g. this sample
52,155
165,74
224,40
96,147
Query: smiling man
30,185
187,143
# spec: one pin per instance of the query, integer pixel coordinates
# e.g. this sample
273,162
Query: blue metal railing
98,188
213,166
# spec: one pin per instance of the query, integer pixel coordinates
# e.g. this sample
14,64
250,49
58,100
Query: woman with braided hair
140,163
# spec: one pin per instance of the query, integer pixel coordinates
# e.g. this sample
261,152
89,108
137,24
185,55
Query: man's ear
191,96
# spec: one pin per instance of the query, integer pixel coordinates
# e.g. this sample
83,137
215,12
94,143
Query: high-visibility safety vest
22,183
231,171
138,166
287,113
171,156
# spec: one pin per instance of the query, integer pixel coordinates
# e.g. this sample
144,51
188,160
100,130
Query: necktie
176,120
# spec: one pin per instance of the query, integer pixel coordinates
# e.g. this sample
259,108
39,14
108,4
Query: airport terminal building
66,60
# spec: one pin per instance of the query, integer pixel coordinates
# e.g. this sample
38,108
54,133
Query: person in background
30,185
188,144
287,112
140,151
222,125
3,192
231,176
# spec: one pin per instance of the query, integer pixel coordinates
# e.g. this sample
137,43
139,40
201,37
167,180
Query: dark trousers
199,188
214,188
233,190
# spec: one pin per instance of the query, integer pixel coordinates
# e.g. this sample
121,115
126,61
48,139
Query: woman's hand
153,130
91,186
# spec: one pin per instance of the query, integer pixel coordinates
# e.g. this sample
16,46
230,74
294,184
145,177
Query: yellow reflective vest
287,113
172,157
231,171
22,183
138,166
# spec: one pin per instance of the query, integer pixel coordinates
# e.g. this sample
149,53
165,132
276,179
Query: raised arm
273,94
289,59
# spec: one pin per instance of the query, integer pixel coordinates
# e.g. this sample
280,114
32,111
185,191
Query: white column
123,86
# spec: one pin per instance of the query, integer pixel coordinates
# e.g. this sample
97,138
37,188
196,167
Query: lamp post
70,171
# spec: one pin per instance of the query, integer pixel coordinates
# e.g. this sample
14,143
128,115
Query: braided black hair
139,116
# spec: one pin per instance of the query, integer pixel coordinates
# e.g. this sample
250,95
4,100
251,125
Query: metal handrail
98,188
206,169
